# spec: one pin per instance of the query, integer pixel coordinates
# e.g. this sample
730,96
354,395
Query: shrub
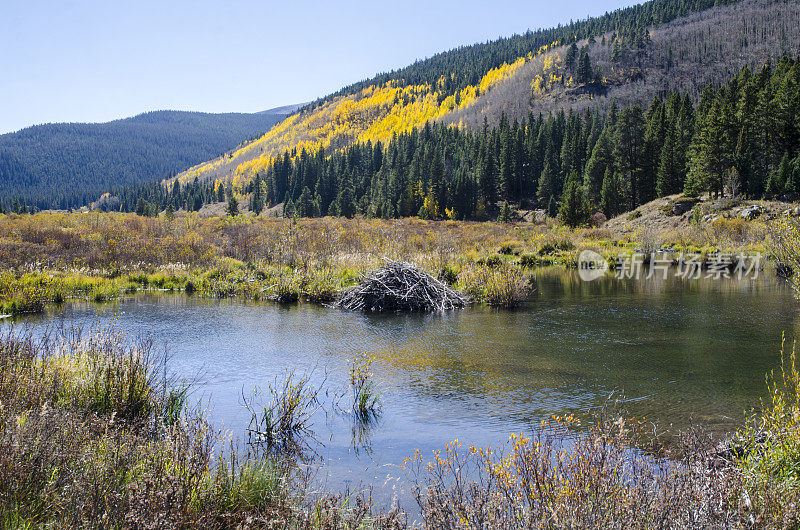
321,286
509,248
598,220
768,450
634,215
491,261
556,245
736,229
506,287
286,290
559,478
449,275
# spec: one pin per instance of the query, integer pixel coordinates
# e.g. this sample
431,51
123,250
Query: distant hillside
454,70
70,164
671,96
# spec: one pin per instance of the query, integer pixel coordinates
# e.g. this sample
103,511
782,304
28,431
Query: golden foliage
374,114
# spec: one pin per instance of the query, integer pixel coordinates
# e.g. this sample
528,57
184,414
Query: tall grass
87,440
283,423
366,398
768,450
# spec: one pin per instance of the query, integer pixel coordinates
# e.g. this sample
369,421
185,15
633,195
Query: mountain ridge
64,165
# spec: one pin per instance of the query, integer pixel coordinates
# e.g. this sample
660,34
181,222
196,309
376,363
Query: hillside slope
633,57
684,56
71,164
374,114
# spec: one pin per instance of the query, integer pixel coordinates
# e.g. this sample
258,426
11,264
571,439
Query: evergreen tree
599,162
780,177
585,72
257,198
612,201
552,207
571,57
574,210
709,157
233,206
671,166
628,151
506,215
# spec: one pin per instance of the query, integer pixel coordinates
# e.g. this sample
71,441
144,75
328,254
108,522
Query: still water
677,351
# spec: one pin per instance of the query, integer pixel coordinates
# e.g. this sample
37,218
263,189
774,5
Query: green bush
557,245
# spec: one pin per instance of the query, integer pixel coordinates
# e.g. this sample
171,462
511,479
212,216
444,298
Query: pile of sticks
400,286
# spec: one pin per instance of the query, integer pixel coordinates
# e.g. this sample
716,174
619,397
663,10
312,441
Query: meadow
50,257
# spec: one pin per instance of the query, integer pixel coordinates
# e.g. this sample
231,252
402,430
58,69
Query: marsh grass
283,423
366,397
47,258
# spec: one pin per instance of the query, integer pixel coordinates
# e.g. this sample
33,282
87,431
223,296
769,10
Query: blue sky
81,60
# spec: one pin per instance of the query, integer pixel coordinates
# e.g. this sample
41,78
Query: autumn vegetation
740,139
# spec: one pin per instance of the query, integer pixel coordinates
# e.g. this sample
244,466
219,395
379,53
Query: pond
676,351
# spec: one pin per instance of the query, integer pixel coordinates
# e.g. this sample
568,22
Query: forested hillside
685,55
628,57
71,164
742,138
466,66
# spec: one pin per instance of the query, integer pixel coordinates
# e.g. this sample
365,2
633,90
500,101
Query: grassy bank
47,258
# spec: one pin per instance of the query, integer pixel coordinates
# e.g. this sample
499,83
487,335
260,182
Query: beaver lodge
399,286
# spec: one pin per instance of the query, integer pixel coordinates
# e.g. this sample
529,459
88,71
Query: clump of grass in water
284,424
366,398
